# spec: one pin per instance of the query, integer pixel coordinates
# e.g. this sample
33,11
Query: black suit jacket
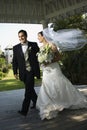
19,61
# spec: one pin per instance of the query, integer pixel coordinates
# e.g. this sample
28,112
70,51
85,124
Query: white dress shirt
25,51
24,47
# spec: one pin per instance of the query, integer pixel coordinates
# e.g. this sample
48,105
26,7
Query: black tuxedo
19,61
25,76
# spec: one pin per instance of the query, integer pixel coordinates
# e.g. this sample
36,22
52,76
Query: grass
10,83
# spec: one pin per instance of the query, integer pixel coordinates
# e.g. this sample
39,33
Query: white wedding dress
57,93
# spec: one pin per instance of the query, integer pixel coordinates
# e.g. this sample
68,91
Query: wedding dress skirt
57,93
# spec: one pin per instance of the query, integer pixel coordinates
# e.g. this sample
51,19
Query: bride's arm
57,55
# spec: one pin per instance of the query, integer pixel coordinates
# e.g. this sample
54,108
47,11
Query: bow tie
23,44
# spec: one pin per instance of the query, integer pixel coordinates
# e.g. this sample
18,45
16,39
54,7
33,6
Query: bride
56,92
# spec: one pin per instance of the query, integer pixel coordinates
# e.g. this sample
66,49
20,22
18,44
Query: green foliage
74,65
10,66
2,75
75,21
10,84
3,67
2,62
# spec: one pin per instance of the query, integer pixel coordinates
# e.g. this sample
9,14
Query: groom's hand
16,76
37,77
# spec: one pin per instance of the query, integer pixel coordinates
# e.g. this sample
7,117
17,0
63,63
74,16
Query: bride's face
40,38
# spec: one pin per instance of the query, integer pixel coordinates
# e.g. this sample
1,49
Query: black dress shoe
22,113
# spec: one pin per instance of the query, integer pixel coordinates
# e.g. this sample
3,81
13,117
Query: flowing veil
66,39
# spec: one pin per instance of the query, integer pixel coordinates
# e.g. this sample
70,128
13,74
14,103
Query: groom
25,64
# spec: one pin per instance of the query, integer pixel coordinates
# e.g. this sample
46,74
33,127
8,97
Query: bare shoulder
54,47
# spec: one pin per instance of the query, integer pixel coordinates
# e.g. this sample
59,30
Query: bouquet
45,55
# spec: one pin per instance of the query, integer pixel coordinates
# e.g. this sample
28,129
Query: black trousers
30,93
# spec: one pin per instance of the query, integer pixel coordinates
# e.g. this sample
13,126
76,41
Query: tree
3,65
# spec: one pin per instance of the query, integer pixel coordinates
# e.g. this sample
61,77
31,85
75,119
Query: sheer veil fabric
66,39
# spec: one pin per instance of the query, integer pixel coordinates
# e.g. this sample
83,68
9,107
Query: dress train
57,93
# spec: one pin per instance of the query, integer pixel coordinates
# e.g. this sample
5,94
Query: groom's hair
23,31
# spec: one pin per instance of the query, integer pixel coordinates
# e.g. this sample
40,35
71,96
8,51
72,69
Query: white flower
45,55
29,49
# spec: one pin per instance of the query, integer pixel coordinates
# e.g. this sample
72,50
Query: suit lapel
29,44
20,50
29,48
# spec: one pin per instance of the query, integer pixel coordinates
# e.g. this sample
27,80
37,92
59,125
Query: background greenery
74,62
10,83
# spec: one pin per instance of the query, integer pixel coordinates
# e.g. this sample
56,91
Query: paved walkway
10,103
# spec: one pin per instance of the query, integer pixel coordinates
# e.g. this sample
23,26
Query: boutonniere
29,49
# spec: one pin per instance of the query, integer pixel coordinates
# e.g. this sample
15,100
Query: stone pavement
10,103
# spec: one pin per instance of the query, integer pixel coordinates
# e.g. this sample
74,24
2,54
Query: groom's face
22,37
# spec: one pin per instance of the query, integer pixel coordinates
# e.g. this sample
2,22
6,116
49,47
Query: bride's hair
41,33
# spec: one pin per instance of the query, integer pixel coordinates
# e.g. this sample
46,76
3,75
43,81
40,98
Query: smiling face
40,38
22,37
